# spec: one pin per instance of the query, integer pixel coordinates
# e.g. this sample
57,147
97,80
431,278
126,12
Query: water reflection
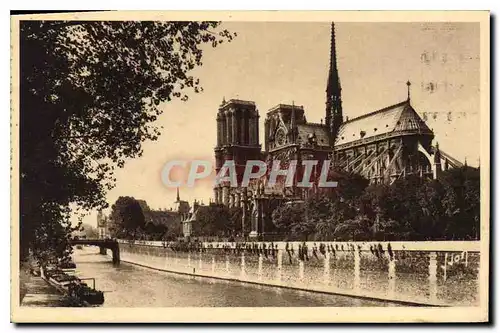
133,286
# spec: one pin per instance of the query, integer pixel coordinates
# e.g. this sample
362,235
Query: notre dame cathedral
382,146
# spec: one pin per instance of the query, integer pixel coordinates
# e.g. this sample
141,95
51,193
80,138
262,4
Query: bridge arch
103,244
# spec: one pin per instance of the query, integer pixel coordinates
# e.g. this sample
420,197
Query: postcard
275,167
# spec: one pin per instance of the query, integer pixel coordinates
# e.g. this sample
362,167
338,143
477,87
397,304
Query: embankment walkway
40,294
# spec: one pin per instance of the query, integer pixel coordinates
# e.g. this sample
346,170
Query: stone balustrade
433,273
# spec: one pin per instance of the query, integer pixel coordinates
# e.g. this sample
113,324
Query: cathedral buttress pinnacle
293,125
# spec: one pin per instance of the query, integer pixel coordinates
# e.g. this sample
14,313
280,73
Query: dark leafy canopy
461,203
134,220
90,92
126,218
288,216
89,231
213,220
154,231
410,209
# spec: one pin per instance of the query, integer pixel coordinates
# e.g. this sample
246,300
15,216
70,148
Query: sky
284,62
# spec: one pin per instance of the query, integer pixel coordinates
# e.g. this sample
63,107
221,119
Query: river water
128,285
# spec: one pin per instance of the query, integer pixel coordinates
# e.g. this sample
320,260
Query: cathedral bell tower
238,141
333,118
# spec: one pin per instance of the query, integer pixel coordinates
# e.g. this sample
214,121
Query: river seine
128,285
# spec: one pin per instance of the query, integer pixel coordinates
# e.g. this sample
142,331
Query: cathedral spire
334,115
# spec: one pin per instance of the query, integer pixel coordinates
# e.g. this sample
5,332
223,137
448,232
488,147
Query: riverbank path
40,294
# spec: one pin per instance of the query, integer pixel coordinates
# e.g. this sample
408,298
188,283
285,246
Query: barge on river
65,281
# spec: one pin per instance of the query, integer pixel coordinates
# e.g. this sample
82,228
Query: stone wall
413,272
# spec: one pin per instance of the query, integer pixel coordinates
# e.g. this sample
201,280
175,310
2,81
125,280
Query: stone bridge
103,244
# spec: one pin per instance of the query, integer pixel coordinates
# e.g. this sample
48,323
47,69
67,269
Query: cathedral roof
394,119
280,107
161,217
318,130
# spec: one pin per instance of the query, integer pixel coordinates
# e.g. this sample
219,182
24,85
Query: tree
356,229
213,220
461,202
351,186
127,218
432,222
422,209
90,231
235,217
90,92
338,211
302,217
391,230
171,234
288,215
155,231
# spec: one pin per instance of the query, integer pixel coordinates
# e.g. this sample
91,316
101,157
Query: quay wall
429,273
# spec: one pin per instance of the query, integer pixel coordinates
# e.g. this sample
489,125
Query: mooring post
356,269
392,276
243,264
478,278
301,270
433,276
326,269
445,266
259,269
280,264
213,264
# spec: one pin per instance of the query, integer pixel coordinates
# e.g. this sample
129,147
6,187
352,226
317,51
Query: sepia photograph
250,167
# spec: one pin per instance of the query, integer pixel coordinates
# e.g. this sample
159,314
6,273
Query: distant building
173,218
102,225
192,218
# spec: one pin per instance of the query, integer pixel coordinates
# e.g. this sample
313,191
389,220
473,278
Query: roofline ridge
312,124
286,106
377,111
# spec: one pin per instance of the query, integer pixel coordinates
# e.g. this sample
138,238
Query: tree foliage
213,220
358,228
412,208
289,218
89,231
461,203
90,92
155,231
235,220
126,218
